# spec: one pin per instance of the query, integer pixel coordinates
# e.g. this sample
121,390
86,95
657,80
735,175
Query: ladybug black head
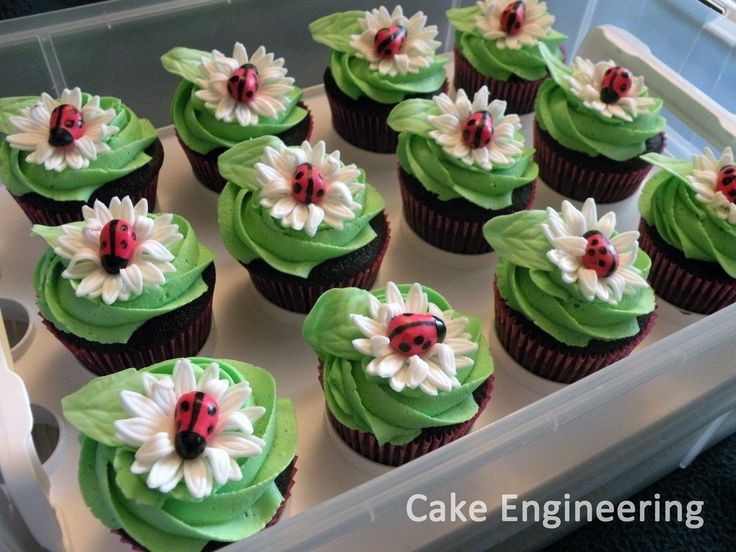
60,137
441,329
189,445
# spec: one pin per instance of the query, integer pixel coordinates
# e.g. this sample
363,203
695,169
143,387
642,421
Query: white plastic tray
523,443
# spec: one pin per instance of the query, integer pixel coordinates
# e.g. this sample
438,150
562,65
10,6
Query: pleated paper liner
519,94
542,355
284,482
456,235
580,182
697,286
204,165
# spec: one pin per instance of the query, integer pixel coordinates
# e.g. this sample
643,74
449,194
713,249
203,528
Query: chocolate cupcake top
183,452
104,277
224,100
66,148
597,108
500,38
380,54
458,148
570,273
691,204
397,360
294,207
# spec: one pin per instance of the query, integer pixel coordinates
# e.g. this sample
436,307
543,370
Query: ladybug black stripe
111,237
310,184
400,329
513,14
478,130
196,407
390,38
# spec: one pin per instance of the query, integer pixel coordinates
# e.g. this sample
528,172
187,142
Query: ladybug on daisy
62,133
588,253
190,429
714,181
412,342
513,24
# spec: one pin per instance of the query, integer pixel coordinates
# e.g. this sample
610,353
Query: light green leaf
556,67
519,238
334,30
676,167
237,164
185,62
463,19
411,116
12,106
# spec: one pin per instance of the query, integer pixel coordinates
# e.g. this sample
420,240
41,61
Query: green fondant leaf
185,62
463,19
237,164
334,30
676,167
411,116
519,238
10,107
556,67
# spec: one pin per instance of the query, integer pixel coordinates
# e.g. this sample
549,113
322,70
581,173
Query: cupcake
187,454
222,101
124,287
402,372
688,228
570,293
460,165
61,154
300,220
592,122
497,45
377,60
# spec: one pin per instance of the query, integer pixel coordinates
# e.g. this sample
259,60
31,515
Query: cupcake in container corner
402,372
59,154
688,227
593,121
378,58
571,295
124,287
497,45
188,454
223,100
300,220
461,163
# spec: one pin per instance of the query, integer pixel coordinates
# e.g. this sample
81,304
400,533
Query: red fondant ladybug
308,184
196,418
243,83
616,83
117,244
512,18
600,254
65,126
414,334
389,40
726,182
478,130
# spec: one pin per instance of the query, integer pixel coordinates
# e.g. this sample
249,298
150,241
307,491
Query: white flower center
414,334
512,18
243,83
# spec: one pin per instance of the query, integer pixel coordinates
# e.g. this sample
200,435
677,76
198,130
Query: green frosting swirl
354,75
367,403
565,117
197,125
175,521
531,285
668,203
94,320
127,155
250,232
447,176
492,61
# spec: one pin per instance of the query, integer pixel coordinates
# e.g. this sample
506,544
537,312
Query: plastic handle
694,108
24,477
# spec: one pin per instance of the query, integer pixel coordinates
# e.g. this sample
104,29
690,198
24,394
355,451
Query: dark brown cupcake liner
299,294
578,182
681,286
216,545
519,94
430,439
57,218
102,362
560,364
204,165
444,232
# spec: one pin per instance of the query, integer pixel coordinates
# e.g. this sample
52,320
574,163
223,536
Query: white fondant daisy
714,181
191,430
609,89
119,251
413,342
393,43
585,252
304,187
241,89
513,24
476,133
63,133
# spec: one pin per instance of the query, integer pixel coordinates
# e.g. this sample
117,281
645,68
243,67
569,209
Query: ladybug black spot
387,52
487,141
622,88
299,175
601,263
320,193
728,180
419,339
69,124
732,193
134,236
594,242
249,93
729,170
625,74
517,25
427,344
233,79
471,122
297,187
591,252
603,250
184,406
404,347
104,243
211,410
178,425
210,429
124,228
124,244
466,134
